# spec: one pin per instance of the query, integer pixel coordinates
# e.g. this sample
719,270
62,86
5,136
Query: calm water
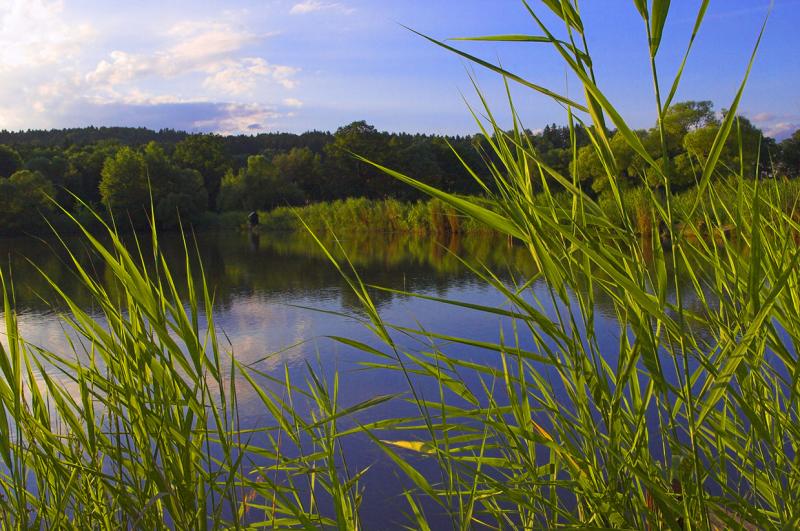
267,289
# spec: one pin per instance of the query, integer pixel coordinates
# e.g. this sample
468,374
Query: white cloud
197,74
311,6
136,96
235,78
781,130
34,33
199,41
240,118
763,117
121,68
292,102
208,49
39,51
777,126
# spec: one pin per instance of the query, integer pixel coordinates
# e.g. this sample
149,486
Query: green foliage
125,440
698,143
685,416
789,156
178,192
124,184
129,178
10,161
690,129
681,118
52,165
359,215
683,419
302,167
84,169
258,186
207,155
24,196
323,166
629,164
350,176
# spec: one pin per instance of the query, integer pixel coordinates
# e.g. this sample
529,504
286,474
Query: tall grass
353,215
681,413
435,217
136,425
685,413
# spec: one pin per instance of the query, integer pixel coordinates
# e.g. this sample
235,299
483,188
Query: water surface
278,299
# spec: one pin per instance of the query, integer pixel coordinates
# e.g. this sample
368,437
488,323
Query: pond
278,299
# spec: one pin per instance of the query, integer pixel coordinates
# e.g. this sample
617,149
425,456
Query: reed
432,217
683,416
136,425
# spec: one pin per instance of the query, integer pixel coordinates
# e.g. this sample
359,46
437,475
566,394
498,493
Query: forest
118,169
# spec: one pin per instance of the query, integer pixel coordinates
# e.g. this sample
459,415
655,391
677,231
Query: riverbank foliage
683,415
190,175
435,217
360,215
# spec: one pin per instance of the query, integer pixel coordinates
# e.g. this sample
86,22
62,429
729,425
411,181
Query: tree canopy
689,132
187,174
24,197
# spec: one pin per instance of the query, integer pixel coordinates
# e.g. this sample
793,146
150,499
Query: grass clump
137,424
431,217
683,413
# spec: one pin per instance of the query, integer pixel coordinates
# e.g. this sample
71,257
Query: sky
251,66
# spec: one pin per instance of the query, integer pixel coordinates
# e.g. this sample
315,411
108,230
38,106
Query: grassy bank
361,214
435,217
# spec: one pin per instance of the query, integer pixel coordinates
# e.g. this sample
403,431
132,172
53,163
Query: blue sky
248,66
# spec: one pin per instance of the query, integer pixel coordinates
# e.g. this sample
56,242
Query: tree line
185,175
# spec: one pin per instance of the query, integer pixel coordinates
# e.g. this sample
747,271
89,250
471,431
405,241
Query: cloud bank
194,74
312,6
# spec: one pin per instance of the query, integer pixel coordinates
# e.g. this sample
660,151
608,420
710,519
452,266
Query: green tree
84,168
258,186
10,161
159,168
302,167
680,119
206,154
24,197
184,198
418,160
123,186
789,156
178,193
684,117
697,144
629,165
349,176
232,191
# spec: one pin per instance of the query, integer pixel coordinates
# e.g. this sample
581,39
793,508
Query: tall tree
349,176
84,168
258,186
123,186
206,154
178,193
697,144
789,156
10,161
303,168
24,197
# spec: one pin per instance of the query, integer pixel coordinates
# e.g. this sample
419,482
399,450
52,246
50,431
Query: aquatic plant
136,424
685,413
